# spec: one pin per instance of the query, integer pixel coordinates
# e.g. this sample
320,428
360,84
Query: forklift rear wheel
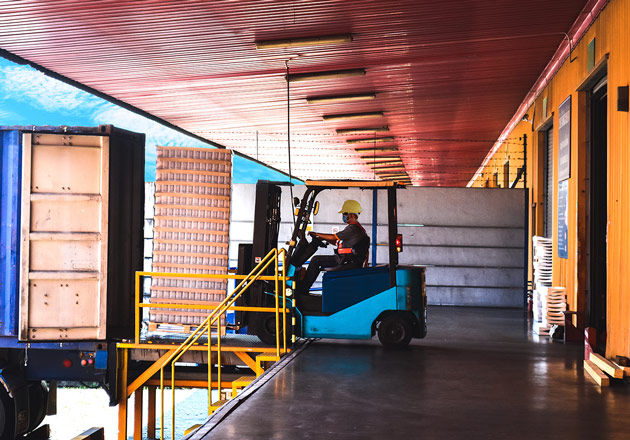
395,331
7,416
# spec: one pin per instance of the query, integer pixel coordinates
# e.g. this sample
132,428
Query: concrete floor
479,374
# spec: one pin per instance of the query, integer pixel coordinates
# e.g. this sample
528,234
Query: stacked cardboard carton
192,212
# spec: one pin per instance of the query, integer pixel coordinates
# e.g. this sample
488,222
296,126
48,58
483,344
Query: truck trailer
71,239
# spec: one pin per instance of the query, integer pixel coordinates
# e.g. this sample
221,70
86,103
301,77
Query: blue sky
28,97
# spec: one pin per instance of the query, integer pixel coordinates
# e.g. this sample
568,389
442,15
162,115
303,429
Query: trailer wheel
38,401
395,331
7,415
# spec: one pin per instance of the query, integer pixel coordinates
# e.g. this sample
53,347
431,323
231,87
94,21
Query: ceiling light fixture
352,116
390,168
373,158
362,130
340,98
377,164
376,149
394,177
370,140
391,173
329,74
402,177
304,41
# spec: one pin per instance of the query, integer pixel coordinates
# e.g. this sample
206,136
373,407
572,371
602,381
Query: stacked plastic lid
555,303
548,302
543,256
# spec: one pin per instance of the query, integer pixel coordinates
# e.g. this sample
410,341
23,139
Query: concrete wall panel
475,297
470,239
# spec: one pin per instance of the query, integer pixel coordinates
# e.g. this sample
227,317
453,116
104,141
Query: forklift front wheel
267,331
395,331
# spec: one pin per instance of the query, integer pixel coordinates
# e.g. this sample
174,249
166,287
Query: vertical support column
579,294
122,400
151,412
137,414
392,217
525,226
374,224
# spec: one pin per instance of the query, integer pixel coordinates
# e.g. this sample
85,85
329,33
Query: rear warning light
399,243
67,363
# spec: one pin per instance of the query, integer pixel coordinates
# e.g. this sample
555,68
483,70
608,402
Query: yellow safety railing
256,274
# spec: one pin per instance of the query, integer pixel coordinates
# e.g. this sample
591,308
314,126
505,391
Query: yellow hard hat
351,207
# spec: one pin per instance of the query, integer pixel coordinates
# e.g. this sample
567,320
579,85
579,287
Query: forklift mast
266,231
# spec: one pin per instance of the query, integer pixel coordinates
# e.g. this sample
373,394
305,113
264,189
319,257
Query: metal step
218,404
241,382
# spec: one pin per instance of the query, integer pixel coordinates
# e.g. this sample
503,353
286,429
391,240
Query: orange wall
612,37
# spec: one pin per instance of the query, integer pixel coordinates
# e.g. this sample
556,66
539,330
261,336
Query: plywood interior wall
191,230
612,40
63,290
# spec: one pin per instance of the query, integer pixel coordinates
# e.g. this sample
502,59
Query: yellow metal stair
241,382
170,354
261,359
218,404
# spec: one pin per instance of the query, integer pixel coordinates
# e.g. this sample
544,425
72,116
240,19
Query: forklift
387,300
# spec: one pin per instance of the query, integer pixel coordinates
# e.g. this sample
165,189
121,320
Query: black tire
7,416
267,331
395,331
38,402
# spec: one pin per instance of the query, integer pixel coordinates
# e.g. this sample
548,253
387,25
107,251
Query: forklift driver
352,250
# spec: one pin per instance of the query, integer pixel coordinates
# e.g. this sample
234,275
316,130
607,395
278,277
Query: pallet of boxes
192,212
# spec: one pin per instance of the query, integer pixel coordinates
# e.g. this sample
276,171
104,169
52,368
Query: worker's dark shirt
351,235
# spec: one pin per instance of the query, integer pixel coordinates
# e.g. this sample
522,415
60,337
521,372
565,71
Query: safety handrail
214,316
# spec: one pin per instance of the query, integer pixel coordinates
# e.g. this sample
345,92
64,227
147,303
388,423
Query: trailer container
71,238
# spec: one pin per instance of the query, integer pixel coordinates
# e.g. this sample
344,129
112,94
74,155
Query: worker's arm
330,238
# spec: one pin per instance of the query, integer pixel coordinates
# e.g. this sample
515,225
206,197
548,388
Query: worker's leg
314,268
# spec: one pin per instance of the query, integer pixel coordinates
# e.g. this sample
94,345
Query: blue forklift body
353,300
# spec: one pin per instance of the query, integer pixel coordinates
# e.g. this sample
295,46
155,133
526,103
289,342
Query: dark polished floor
477,375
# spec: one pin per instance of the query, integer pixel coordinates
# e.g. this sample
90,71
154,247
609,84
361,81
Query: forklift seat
358,258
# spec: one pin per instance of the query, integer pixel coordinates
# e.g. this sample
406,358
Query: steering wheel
318,241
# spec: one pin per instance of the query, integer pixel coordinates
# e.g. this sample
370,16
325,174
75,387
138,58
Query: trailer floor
479,374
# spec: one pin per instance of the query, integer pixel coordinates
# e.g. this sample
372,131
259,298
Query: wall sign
564,140
563,215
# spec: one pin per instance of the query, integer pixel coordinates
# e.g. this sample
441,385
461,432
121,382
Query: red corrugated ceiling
448,75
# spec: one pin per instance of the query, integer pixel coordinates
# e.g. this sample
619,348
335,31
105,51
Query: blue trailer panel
10,157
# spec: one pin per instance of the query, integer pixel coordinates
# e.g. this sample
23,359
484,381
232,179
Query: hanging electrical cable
286,63
374,155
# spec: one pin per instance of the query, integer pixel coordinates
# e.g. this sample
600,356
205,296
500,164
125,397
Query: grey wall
470,239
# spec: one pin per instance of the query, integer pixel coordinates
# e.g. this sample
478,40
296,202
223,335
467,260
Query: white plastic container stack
543,254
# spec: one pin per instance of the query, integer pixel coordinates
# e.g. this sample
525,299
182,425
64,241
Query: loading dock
476,375
459,73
